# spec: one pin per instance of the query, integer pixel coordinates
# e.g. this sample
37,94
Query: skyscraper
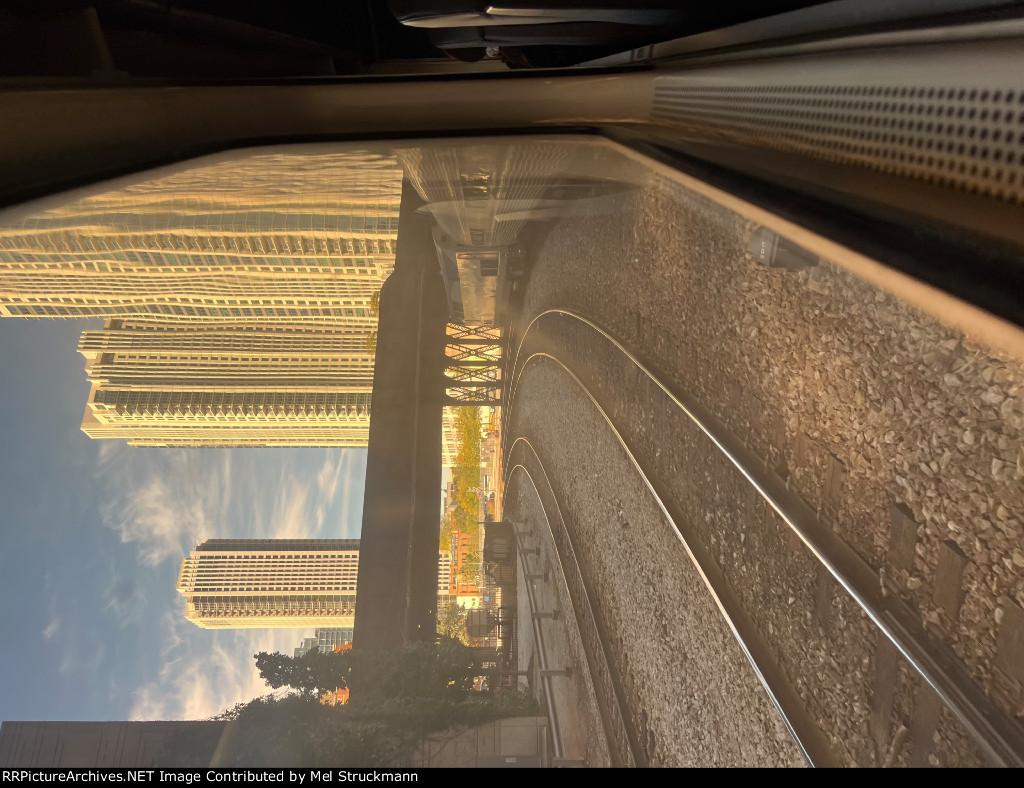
240,296
213,384
253,583
288,237
325,640
330,638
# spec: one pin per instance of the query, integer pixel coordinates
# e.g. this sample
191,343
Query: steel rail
545,680
996,733
802,727
620,733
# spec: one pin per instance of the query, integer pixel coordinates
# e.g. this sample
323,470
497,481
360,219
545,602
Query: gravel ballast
865,403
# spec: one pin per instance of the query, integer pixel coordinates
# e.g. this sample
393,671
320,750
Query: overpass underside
397,585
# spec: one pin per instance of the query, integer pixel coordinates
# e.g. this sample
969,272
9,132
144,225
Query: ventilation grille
969,138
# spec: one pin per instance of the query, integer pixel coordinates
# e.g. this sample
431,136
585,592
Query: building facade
240,297
209,384
465,555
286,237
444,578
449,437
325,640
256,583
330,638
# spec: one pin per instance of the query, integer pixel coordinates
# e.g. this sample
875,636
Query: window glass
735,453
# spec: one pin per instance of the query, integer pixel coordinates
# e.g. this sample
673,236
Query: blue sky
92,534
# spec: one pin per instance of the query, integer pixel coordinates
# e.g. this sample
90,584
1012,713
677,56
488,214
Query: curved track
620,732
998,736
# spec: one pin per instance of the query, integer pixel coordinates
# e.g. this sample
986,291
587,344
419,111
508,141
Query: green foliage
470,569
451,622
297,731
466,473
420,670
313,672
371,342
375,303
447,531
398,698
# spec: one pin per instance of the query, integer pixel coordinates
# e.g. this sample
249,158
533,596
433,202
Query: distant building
254,583
209,384
308,644
444,577
329,638
470,601
449,438
326,639
241,297
462,547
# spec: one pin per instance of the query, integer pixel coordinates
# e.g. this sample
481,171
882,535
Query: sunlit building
255,583
331,638
213,384
281,237
325,640
465,565
449,437
307,645
444,578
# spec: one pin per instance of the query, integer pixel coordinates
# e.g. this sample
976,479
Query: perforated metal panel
938,114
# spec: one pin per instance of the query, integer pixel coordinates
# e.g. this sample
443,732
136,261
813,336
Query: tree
451,622
447,529
466,473
297,731
315,671
469,571
398,697
419,670
371,343
375,303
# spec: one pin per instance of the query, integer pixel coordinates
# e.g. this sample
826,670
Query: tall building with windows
240,295
330,638
254,583
449,437
282,237
214,384
325,640
444,578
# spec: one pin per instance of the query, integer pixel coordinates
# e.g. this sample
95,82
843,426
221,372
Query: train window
718,455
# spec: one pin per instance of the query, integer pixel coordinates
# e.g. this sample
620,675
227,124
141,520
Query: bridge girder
474,358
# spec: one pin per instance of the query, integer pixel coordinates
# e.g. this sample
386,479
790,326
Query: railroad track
828,565
610,695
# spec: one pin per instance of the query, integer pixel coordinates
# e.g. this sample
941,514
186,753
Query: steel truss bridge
474,356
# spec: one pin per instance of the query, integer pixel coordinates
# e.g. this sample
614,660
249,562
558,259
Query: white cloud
51,628
207,672
82,658
125,599
330,475
292,516
163,503
350,482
